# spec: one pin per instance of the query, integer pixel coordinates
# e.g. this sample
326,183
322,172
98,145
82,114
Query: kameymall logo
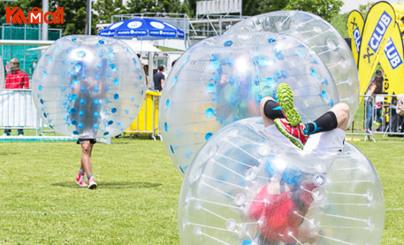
35,16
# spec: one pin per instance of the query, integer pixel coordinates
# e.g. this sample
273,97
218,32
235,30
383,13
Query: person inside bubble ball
87,94
277,205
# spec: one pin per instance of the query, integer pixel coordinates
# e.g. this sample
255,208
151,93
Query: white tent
141,46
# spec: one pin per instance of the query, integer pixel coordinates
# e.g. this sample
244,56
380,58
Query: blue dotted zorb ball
321,37
223,79
246,188
88,86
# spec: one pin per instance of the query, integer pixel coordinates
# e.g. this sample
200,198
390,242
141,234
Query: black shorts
81,141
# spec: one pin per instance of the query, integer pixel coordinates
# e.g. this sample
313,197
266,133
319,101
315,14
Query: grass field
136,202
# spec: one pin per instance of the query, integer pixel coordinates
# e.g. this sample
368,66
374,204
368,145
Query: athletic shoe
285,99
80,180
91,183
294,134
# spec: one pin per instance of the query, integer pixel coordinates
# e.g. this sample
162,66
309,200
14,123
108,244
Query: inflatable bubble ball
247,187
88,86
318,35
223,79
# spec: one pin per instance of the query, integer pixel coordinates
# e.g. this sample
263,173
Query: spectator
159,78
16,79
375,87
33,66
145,69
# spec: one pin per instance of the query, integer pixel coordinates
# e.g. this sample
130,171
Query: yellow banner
391,61
379,25
355,25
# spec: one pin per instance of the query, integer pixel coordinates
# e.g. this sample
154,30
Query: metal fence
377,115
18,112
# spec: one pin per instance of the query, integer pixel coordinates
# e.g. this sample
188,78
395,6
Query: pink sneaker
91,183
294,134
80,180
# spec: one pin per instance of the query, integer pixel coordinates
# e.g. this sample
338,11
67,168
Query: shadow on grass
9,153
129,140
111,185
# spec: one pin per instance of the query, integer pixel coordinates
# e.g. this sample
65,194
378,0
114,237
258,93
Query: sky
350,5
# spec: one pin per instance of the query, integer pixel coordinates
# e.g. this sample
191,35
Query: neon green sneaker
285,99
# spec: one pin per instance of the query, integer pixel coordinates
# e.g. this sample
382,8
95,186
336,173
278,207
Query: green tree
171,6
366,7
74,15
339,23
191,5
25,5
103,10
136,6
323,8
265,6
164,6
249,7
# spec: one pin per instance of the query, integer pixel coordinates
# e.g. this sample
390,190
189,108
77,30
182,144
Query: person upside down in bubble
279,206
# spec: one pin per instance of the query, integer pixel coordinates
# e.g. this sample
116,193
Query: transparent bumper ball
88,86
321,37
248,187
223,79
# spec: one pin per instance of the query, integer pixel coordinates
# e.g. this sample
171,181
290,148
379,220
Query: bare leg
341,111
267,121
86,149
306,235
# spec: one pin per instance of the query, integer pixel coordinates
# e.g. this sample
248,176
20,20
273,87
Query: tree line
75,10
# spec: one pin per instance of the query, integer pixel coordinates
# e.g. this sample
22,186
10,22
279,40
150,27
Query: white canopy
141,46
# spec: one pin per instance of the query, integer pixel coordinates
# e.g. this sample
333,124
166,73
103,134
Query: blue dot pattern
209,113
208,135
228,43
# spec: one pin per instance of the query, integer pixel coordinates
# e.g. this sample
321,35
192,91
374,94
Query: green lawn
136,202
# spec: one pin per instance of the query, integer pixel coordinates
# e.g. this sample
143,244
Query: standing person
33,66
85,115
278,205
85,164
375,87
16,79
159,78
